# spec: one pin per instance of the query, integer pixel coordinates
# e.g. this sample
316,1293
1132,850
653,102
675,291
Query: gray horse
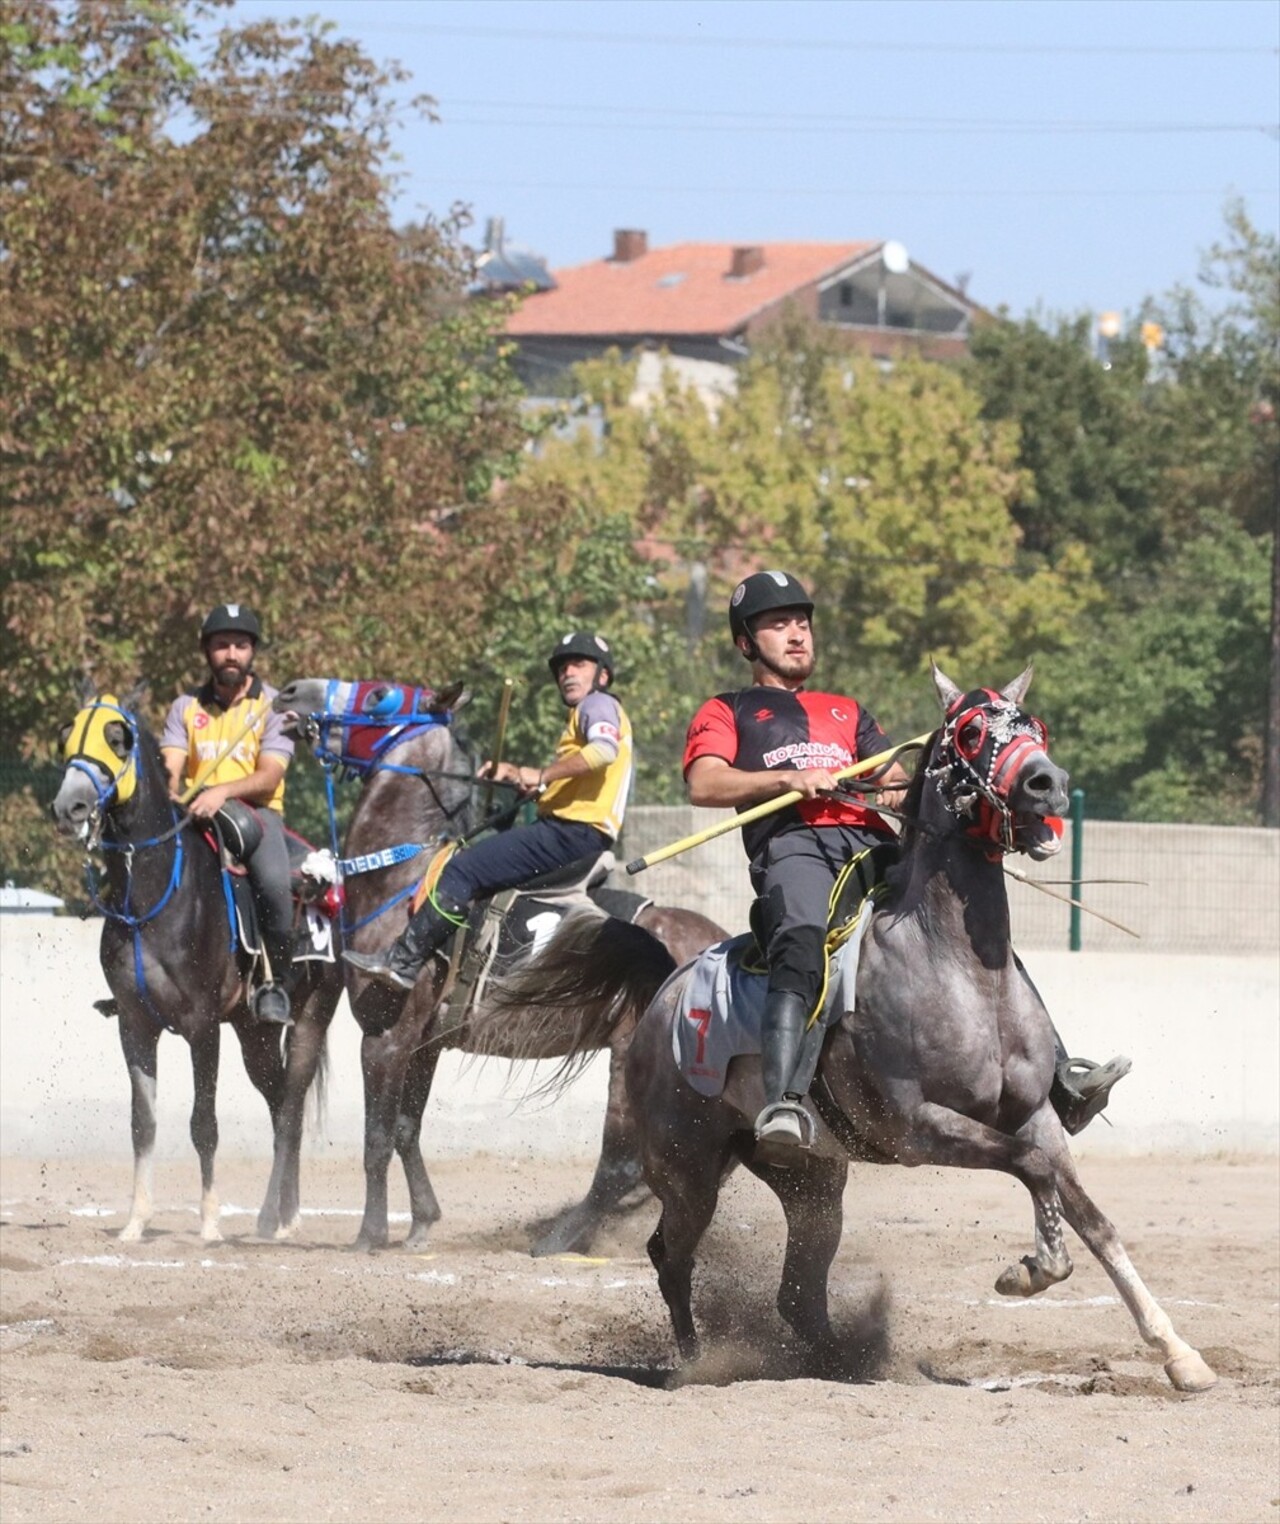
168,959
947,1058
417,790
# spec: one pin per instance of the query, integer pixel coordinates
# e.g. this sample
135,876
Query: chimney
494,234
629,244
746,261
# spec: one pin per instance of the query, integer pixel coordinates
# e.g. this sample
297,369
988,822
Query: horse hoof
211,1235
1189,1372
132,1232
286,1231
416,1240
365,1245
1017,1280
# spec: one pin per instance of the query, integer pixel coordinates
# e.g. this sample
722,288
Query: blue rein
400,730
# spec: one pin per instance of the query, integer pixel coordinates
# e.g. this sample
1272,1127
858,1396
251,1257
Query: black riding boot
783,1128
428,931
1081,1088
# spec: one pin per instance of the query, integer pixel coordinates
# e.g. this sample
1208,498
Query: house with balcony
706,304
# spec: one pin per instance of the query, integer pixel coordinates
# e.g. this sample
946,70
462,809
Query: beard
792,665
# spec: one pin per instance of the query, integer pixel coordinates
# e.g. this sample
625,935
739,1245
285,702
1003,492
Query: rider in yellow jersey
245,791
581,798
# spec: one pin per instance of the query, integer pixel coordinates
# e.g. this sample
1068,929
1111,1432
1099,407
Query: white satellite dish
895,257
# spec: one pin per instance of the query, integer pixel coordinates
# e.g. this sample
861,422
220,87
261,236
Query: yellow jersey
597,798
199,727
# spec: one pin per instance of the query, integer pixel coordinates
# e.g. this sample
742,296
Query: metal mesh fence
1181,888
1206,889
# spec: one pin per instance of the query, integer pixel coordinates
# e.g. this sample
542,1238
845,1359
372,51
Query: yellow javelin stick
757,812
504,709
211,766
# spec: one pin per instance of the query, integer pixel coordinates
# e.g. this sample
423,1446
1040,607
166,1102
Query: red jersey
763,729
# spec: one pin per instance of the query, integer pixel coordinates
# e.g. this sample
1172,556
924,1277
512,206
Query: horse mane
910,811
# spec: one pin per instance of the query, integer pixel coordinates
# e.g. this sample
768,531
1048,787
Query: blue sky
1065,154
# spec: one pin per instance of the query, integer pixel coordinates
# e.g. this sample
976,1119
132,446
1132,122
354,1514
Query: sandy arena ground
172,1380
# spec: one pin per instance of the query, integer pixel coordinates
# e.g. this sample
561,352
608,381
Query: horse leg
383,1062
1184,1365
938,1135
687,1183
812,1199
415,1093
260,1047
617,1171
139,1038
204,1124
280,1214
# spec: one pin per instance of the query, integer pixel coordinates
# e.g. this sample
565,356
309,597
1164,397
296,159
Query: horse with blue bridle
173,959
417,789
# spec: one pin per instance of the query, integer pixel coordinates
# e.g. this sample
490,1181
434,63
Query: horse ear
1016,691
137,695
452,696
88,688
947,691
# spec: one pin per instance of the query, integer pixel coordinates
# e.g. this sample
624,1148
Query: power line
841,192
679,119
834,44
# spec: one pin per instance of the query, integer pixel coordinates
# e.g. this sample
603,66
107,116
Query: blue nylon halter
341,764
95,772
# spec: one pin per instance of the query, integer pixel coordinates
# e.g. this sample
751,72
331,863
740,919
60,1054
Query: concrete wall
1202,1031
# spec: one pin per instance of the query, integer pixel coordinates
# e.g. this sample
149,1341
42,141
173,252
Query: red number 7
701,1020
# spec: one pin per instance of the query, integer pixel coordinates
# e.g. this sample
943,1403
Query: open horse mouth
1040,836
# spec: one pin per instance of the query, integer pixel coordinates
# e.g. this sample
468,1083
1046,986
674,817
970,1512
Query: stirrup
1087,1088
784,1133
271,1004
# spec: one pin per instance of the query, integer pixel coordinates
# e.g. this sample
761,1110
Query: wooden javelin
758,811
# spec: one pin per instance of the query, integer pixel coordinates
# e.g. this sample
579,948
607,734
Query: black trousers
513,857
793,876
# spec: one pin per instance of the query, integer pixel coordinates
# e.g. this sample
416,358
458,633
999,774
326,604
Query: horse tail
600,971
318,1094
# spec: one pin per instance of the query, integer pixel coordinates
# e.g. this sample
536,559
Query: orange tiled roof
642,296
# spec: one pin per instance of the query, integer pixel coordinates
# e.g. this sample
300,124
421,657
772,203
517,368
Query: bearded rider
777,737
245,792
581,797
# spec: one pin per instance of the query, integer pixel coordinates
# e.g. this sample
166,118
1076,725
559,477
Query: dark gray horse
417,790
166,953
947,1058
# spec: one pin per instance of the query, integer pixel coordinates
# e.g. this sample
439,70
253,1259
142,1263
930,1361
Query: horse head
102,749
354,723
990,761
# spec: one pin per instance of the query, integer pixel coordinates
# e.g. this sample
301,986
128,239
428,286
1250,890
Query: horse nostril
1041,783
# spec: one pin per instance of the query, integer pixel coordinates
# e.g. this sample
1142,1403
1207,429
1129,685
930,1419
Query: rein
108,793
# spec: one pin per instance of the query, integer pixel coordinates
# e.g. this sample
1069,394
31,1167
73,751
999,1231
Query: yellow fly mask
89,742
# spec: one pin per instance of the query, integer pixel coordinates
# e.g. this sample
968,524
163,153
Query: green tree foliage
888,493
1158,715
225,373
1165,466
1088,443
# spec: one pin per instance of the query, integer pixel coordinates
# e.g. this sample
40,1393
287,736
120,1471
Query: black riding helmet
761,592
231,618
584,644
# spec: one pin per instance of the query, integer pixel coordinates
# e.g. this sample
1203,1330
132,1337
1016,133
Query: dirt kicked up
172,1379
